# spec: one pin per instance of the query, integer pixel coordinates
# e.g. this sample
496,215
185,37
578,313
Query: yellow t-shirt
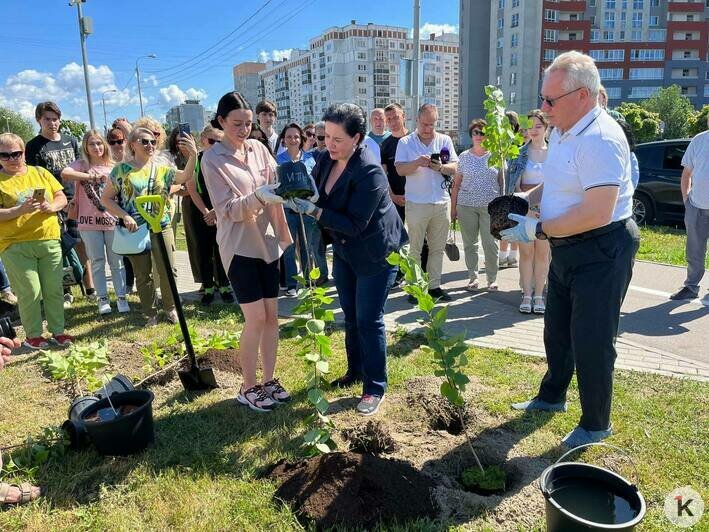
14,190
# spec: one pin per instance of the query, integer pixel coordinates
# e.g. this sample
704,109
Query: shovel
195,378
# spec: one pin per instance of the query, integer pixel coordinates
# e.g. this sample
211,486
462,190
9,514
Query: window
610,4
595,35
513,59
607,55
654,3
654,20
362,68
690,18
515,3
624,4
500,4
638,4
647,73
706,87
673,157
613,93
649,54
361,56
591,3
550,55
572,36
500,23
499,60
609,20
642,92
621,38
550,35
611,73
500,42
513,78
636,36
513,97
608,36
515,20
514,40
362,79
656,35
551,15
637,20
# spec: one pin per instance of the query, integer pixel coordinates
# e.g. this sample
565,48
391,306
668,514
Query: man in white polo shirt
586,208
427,199
695,193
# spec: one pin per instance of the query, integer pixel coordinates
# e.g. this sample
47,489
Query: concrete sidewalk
657,335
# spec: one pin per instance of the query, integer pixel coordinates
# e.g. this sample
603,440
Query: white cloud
275,55
71,77
430,27
150,80
174,95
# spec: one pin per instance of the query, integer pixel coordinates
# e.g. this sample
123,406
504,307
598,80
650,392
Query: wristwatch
539,232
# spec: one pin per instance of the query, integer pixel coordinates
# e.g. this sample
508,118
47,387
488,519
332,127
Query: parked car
658,197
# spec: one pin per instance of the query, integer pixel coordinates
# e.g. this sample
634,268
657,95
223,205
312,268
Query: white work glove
265,194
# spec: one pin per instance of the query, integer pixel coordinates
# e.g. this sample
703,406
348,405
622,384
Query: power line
218,42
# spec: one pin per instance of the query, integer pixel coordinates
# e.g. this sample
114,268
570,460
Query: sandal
256,398
539,306
526,306
27,493
492,287
472,286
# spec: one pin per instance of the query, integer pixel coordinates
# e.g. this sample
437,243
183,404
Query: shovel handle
600,444
152,219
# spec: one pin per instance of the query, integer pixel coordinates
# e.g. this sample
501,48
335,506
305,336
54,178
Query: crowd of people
373,191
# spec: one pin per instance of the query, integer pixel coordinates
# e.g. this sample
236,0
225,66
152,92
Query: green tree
699,121
12,122
674,109
73,128
645,124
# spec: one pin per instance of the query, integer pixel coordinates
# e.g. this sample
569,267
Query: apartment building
366,64
191,112
639,46
247,81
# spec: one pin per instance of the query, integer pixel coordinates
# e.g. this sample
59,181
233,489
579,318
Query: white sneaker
68,300
104,305
122,304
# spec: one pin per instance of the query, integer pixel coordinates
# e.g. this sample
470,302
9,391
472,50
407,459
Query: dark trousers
191,218
205,249
362,300
587,284
130,276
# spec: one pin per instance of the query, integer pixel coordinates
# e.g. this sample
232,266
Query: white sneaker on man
122,304
104,305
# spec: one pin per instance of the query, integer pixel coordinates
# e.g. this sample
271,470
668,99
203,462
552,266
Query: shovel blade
197,378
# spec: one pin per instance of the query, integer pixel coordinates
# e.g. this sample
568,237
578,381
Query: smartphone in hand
436,157
38,195
184,129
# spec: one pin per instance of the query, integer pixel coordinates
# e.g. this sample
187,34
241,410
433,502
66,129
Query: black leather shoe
439,294
345,381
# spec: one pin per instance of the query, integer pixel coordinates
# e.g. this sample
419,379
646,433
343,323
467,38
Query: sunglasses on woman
10,155
309,134
477,133
148,142
212,141
114,142
321,138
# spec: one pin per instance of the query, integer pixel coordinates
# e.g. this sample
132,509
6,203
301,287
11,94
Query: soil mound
222,359
357,490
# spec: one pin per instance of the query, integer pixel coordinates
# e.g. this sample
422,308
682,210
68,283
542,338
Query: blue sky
42,56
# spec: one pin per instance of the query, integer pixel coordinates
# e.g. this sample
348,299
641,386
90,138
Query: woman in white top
534,256
474,186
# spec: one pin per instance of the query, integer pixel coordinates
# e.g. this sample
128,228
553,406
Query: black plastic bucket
126,434
74,427
118,384
581,497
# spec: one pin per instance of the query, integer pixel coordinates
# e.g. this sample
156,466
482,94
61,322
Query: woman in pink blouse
252,233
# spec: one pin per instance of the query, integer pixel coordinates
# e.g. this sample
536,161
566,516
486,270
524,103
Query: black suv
658,196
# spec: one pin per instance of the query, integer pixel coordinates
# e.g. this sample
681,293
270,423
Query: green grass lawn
659,243
203,471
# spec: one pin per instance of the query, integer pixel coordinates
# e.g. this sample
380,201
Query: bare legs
533,267
260,332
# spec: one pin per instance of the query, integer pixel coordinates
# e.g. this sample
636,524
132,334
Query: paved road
657,335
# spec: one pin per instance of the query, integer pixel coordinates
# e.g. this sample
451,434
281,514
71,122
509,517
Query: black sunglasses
551,101
114,142
321,138
309,134
477,133
146,142
212,141
7,155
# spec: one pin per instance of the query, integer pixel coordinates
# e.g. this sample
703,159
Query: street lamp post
415,66
103,101
137,75
85,29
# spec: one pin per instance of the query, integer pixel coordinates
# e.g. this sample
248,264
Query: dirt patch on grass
356,490
372,438
222,359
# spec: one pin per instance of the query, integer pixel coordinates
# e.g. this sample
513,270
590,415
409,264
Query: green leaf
315,274
323,447
322,405
314,395
315,326
312,357
322,366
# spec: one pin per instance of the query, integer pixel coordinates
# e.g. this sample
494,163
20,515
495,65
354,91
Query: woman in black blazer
355,209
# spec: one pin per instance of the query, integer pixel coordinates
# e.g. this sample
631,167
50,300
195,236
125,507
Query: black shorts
253,279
